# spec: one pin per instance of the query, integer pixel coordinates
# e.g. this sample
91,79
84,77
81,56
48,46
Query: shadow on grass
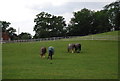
82,52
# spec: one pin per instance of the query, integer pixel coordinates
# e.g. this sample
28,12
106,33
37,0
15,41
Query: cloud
68,7
66,10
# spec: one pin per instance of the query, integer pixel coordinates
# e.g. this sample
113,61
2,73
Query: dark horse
50,52
77,48
74,48
42,52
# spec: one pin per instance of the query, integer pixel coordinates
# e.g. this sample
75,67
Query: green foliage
114,14
9,30
80,24
24,36
101,22
48,25
87,22
4,25
12,34
97,60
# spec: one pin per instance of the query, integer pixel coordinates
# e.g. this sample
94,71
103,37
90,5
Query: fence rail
33,40
91,37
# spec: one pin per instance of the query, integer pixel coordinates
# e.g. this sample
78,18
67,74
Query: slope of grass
102,36
112,33
97,60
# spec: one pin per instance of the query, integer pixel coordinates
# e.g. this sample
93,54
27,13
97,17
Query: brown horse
71,48
74,48
43,52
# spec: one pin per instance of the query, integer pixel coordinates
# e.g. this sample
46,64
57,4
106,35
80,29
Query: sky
21,13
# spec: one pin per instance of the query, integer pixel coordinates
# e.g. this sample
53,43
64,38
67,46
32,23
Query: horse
74,48
71,48
77,48
50,52
43,52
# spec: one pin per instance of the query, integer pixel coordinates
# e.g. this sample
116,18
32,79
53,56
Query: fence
97,37
33,40
91,37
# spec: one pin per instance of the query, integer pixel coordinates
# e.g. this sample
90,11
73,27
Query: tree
12,34
80,24
9,30
4,25
47,25
101,22
114,14
25,36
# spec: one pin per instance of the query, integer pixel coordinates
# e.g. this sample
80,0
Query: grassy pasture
103,36
97,60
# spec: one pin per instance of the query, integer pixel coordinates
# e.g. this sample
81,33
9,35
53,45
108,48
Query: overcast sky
21,13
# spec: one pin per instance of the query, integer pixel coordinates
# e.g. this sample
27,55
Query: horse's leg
68,49
40,55
44,55
72,50
51,56
48,56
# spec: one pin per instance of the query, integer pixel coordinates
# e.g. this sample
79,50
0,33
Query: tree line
10,31
84,22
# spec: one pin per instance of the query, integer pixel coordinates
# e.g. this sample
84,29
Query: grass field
103,36
97,60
